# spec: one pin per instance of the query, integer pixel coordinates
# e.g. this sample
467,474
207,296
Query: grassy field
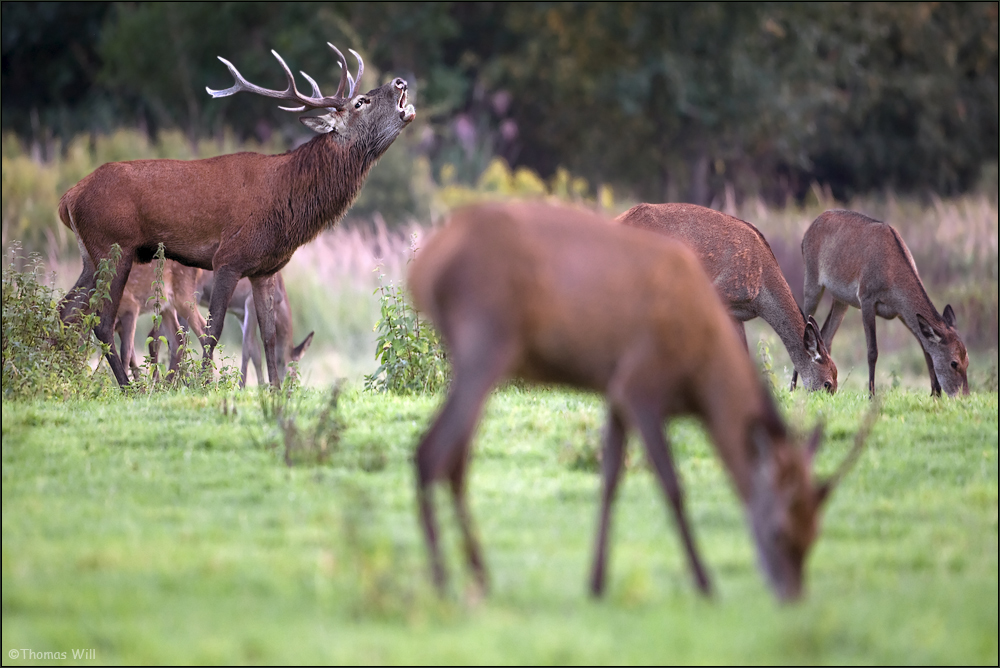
169,529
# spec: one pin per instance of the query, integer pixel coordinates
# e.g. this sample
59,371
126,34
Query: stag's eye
954,365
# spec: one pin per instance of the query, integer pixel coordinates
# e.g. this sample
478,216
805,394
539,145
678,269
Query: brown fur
181,285
240,215
745,272
560,295
865,264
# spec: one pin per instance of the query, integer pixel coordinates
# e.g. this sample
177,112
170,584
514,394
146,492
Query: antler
874,411
317,101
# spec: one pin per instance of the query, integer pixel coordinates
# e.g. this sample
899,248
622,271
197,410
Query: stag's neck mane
324,178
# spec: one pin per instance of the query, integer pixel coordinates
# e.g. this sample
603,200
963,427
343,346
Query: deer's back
848,252
733,252
579,294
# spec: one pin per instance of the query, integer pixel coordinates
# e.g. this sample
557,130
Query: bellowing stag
240,215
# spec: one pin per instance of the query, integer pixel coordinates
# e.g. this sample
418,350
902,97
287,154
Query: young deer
865,264
181,285
242,306
746,275
560,295
242,215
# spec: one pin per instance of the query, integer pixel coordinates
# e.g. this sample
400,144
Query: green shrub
42,355
408,350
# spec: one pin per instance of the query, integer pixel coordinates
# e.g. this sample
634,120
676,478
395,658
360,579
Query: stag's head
371,120
948,354
786,498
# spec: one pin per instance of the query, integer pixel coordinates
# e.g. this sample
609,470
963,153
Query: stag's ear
322,124
928,330
949,315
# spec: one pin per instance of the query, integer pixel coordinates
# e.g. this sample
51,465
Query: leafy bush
408,350
42,355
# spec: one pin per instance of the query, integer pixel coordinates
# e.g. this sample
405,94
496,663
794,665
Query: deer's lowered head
948,355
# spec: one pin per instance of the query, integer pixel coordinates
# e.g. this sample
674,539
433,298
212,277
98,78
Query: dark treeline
668,101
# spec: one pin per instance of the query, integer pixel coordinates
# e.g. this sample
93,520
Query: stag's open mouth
406,111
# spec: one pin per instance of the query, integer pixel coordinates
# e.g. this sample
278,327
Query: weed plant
409,351
42,355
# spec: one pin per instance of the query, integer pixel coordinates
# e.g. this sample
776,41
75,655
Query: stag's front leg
614,456
226,279
263,297
868,320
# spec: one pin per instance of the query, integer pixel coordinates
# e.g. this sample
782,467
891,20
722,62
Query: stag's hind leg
105,330
613,458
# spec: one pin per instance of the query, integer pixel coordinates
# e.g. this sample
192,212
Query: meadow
170,529
212,525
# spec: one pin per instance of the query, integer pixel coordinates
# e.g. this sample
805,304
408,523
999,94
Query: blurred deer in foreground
180,287
746,275
865,264
242,215
560,295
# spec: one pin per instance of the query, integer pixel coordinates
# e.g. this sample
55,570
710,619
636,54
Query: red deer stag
746,275
240,215
865,264
559,295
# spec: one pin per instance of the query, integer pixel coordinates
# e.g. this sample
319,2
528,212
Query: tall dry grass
331,281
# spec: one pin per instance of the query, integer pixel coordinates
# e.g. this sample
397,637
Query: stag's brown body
746,274
241,215
560,295
865,264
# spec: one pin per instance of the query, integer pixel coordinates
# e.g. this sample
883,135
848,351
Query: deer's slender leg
444,448
251,345
650,425
614,457
126,333
263,297
868,320
832,324
78,297
226,279
473,553
105,331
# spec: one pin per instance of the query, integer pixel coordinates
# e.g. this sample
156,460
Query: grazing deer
865,264
241,215
180,301
560,295
180,287
746,275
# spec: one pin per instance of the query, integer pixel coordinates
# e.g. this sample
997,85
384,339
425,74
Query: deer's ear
928,330
949,315
811,339
321,124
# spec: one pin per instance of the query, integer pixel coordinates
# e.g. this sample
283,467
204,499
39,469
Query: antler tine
344,74
290,93
315,86
361,70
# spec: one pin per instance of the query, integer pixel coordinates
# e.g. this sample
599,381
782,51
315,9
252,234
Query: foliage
408,350
42,355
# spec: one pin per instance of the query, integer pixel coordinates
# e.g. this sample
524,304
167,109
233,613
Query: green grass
168,529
